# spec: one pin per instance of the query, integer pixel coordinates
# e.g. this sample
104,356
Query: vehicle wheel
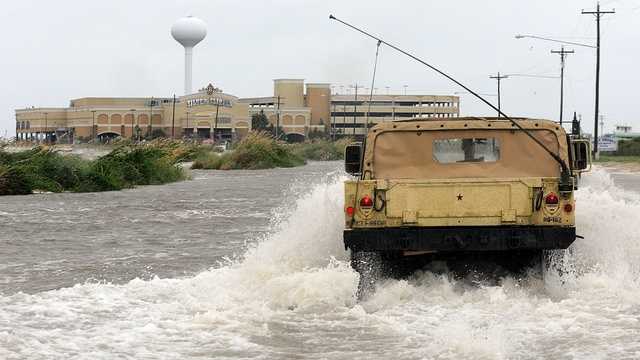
524,263
556,262
368,264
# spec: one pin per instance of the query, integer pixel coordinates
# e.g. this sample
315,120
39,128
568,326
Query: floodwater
250,264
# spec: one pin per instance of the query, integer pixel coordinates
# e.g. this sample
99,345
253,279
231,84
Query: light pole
46,136
215,126
151,116
133,117
185,129
93,125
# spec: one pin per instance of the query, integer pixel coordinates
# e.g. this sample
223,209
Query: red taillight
350,210
366,202
551,199
568,208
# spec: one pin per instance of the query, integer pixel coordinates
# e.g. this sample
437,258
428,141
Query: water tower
188,31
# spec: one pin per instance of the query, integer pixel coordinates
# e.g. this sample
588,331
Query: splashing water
292,295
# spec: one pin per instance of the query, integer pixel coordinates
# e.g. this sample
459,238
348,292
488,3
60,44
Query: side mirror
580,155
352,157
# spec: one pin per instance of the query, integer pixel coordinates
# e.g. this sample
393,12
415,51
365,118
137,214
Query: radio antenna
565,168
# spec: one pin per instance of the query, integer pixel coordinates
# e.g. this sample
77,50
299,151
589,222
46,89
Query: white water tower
188,31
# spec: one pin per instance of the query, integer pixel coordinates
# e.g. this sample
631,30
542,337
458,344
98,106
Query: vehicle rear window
466,150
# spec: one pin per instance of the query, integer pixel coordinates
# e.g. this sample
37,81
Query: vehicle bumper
465,238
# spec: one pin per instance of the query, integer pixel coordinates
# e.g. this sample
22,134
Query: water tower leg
188,62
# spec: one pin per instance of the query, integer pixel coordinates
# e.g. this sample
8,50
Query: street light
185,129
521,36
597,100
133,117
46,137
93,125
466,92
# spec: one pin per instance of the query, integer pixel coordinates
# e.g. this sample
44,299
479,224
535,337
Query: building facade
200,115
350,113
296,109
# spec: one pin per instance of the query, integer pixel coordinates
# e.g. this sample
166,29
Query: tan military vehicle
460,190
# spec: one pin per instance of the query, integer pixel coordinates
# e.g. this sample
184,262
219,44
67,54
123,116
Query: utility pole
333,123
355,107
151,117
597,14
563,53
173,118
278,116
133,118
191,135
46,134
344,117
498,78
93,125
215,126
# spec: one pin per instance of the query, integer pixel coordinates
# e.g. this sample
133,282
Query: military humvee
460,190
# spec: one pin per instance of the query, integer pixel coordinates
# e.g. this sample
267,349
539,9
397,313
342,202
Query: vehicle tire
368,264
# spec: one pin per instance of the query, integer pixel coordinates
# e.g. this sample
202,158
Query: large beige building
198,115
295,107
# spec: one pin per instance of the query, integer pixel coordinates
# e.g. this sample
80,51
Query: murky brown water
251,265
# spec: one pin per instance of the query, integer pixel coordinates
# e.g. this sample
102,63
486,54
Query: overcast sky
54,51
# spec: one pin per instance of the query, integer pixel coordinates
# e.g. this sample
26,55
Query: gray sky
54,51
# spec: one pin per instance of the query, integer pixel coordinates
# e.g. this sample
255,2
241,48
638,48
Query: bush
124,167
629,147
208,160
258,150
322,150
13,182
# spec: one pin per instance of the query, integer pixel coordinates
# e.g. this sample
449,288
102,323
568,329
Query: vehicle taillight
568,208
350,210
551,199
366,202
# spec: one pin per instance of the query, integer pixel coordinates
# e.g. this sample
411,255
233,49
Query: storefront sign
209,101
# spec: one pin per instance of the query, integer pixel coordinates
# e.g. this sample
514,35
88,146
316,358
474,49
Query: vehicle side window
461,150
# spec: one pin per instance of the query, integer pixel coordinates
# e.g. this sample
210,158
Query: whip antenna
565,169
373,81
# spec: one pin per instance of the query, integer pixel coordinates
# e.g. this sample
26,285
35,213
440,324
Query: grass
42,169
619,158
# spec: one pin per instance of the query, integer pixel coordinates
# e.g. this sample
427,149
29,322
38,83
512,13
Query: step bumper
467,238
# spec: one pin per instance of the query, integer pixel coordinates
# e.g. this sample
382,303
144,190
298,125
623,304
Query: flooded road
251,265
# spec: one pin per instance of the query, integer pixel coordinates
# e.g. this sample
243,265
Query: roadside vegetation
43,169
628,152
128,164
258,150
321,149
618,158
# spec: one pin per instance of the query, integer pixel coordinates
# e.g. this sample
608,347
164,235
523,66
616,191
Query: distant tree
259,121
272,131
158,133
318,134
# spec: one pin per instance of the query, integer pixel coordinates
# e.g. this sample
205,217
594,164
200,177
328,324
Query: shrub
124,167
322,150
13,182
258,150
629,147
